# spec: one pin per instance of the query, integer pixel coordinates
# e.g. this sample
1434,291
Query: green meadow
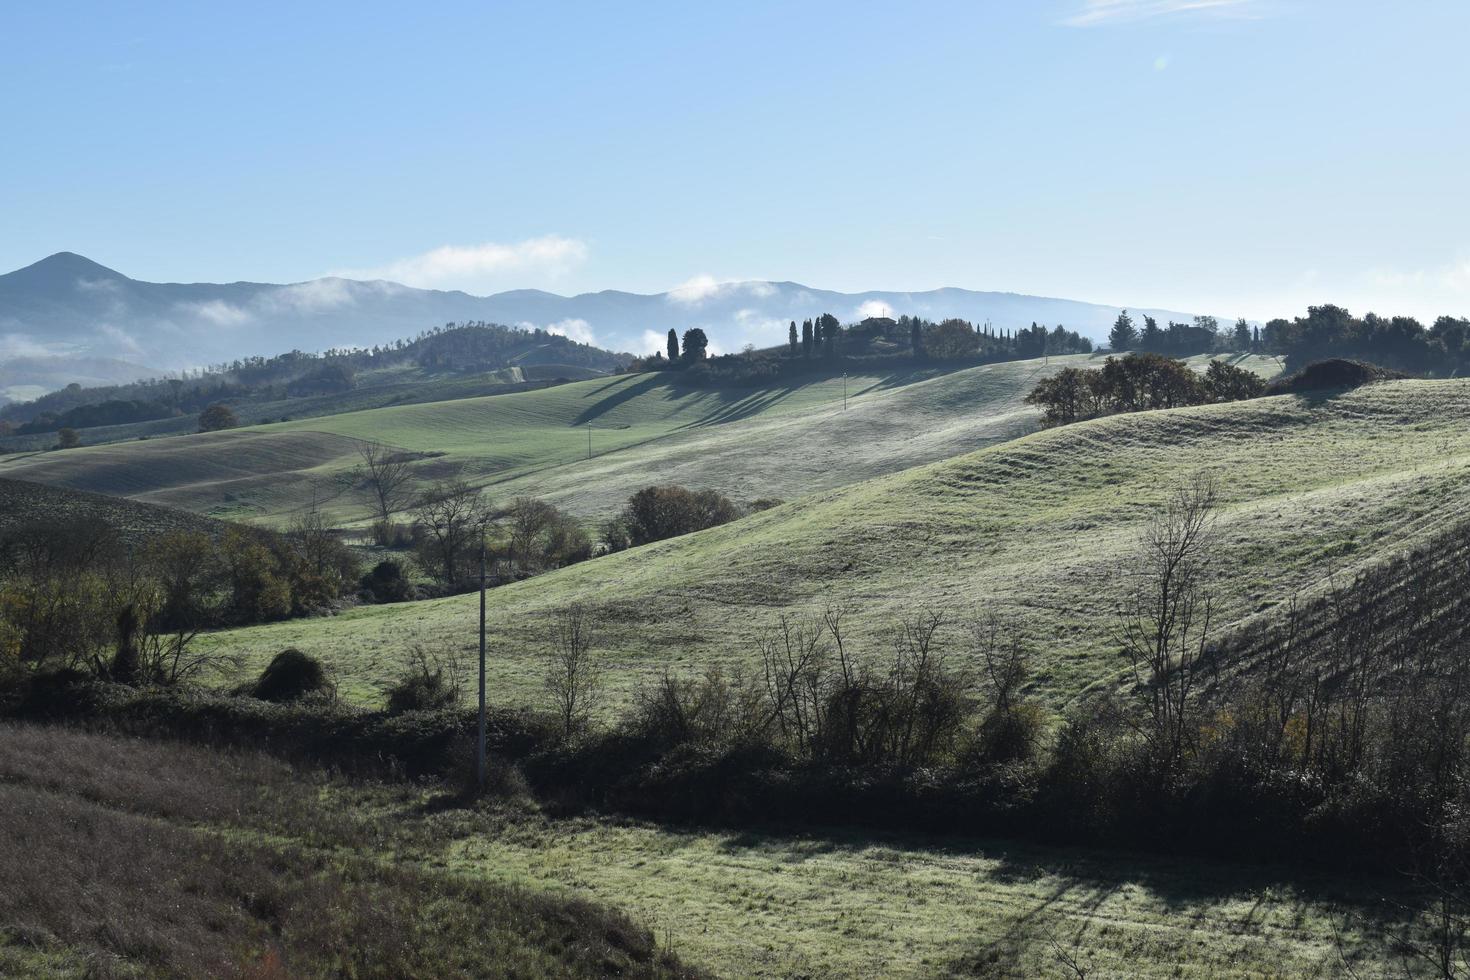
1035,529
780,441
846,905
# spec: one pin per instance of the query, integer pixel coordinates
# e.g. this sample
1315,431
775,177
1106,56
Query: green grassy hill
393,386
781,441
1034,528
137,523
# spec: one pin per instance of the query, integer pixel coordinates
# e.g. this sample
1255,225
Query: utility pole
480,743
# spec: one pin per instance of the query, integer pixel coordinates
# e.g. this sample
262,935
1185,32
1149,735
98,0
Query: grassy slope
752,905
530,441
782,441
22,502
1034,528
390,386
131,858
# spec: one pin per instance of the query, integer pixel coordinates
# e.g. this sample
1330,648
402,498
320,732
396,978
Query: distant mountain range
67,318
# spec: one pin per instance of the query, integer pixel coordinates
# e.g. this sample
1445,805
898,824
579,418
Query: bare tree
527,522
454,519
1164,622
574,673
794,658
384,477
1002,660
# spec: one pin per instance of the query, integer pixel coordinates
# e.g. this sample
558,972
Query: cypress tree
791,338
916,340
673,346
806,338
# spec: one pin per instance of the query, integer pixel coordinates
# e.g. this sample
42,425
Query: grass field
135,858
126,858
782,442
136,523
401,385
751,905
1034,528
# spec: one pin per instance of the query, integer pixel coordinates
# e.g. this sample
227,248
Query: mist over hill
67,318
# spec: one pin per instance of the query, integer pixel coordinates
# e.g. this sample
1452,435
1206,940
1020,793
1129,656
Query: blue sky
1237,156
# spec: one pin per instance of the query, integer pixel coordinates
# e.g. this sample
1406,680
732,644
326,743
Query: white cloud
97,285
1452,278
873,307
1094,13
217,312
757,328
481,267
574,329
121,338
694,291
19,345
651,341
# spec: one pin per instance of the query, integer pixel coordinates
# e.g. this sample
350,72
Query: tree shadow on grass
1177,882
624,394
1057,896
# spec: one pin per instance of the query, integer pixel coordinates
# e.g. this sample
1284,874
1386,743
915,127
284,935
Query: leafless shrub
384,476
1164,622
827,704
574,674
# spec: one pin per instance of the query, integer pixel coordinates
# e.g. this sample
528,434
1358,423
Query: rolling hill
783,441
1035,529
67,309
136,523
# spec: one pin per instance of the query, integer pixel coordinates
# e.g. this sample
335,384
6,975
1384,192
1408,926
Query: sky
1245,157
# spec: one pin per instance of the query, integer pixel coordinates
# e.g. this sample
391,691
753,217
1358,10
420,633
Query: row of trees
1327,331
947,340
1137,383
1400,342
74,595
1203,336
824,340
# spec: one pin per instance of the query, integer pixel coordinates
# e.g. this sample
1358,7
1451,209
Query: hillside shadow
1176,882
1057,896
741,408
626,393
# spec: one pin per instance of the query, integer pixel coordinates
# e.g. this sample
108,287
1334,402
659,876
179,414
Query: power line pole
480,744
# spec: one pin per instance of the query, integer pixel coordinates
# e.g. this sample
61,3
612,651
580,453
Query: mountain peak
67,266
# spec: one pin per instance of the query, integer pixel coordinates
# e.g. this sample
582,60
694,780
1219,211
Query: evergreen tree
806,338
1242,334
1123,336
673,346
830,330
791,338
1152,338
695,343
916,340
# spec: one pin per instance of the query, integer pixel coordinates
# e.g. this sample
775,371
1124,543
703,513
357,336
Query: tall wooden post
480,744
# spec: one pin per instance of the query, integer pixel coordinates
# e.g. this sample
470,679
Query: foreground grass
849,905
125,858
1036,529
